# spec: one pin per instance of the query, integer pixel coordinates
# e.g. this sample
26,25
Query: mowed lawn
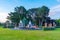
9,34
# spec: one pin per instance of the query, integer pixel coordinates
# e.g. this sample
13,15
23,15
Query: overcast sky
7,6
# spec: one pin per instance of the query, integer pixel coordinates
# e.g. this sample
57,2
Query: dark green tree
36,15
58,22
17,15
42,13
32,13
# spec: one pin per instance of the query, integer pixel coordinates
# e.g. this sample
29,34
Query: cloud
58,0
55,12
3,16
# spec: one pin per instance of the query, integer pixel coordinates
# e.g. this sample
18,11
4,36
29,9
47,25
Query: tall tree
38,15
17,15
32,12
42,13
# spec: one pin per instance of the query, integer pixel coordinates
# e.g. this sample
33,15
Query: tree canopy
33,14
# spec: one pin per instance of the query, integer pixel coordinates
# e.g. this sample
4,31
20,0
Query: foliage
36,15
45,29
58,22
17,15
1,24
42,14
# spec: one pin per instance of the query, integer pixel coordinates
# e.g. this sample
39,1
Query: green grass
8,34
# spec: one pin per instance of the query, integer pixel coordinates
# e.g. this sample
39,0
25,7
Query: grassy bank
8,34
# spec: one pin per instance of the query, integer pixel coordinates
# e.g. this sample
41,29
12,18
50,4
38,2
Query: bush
49,28
10,26
57,26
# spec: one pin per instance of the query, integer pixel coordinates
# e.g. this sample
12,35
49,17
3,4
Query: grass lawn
8,34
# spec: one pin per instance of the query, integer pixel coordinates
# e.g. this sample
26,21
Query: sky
7,6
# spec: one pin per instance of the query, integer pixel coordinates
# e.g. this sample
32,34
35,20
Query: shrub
49,28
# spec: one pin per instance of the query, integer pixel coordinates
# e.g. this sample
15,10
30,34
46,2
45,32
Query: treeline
36,15
1,24
58,22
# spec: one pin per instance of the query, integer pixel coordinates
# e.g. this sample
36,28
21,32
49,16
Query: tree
42,13
36,15
58,22
17,15
32,13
